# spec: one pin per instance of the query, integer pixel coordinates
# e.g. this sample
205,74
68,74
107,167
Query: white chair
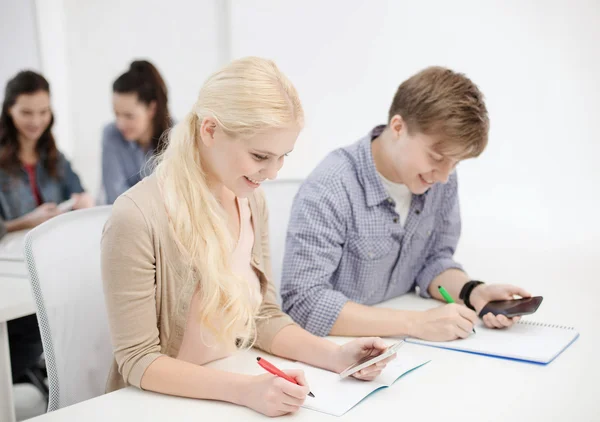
280,196
63,259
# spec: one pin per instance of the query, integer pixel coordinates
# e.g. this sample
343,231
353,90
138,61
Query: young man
380,217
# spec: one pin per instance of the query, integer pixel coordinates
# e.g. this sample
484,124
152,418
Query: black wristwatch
465,292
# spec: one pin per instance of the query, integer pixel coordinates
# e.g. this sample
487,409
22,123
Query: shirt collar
374,190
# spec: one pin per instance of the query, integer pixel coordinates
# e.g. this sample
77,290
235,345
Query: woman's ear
208,127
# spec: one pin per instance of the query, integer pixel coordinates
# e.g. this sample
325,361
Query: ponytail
144,80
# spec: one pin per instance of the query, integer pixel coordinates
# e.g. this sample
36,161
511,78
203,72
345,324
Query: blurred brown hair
25,82
144,79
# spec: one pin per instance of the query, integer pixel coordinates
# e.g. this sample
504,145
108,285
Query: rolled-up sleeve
314,245
128,276
447,234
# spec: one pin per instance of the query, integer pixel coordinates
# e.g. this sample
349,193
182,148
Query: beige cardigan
146,293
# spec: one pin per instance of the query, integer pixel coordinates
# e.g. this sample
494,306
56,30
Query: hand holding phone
370,360
512,308
66,205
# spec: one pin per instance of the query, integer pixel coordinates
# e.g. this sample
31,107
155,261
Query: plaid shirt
345,242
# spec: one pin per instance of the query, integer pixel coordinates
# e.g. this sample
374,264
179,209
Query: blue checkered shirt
345,241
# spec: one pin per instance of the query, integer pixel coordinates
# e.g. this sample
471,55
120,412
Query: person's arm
72,188
71,182
128,275
33,218
315,238
453,281
278,335
445,323
440,267
361,320
114,179
446,272
17,224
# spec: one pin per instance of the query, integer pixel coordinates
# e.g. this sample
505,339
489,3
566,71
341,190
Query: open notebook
335,396
527,340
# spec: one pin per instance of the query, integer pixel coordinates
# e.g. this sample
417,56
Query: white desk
453,386
15,301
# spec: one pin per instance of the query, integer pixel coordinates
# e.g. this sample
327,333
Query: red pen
269,367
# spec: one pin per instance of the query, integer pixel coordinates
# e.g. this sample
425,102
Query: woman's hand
358,349
83,200
275,396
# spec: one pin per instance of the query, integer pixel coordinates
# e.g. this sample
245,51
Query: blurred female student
34,175
140,102
34,179
185,254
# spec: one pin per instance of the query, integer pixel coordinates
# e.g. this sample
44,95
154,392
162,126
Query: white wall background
537,62
180,37
18,39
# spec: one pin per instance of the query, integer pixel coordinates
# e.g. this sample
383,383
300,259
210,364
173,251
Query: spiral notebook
526,341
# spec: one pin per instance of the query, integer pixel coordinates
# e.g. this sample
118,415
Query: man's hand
485,293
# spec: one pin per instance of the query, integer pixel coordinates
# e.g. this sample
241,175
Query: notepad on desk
526,340
335,396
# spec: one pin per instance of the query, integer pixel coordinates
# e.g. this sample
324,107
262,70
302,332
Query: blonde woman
185,254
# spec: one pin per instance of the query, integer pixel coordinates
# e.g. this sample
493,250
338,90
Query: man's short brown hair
446,105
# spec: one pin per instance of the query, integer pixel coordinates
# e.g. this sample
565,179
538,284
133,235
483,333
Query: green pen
449,299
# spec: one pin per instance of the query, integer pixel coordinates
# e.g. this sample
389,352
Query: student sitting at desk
185,254
140,102
380,217
34,178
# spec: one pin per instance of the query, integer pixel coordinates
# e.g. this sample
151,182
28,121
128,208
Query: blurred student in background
34,178
140,102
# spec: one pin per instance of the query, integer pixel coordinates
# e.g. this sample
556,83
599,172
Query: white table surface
454,386
15,301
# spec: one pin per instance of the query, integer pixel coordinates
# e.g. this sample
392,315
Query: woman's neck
27,153
223,195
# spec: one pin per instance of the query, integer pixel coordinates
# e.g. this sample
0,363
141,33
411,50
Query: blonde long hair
246,97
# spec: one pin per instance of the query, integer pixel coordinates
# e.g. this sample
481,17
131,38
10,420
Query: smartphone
66,205
512,308
370,360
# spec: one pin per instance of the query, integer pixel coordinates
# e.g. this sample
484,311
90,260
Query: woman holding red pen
185,254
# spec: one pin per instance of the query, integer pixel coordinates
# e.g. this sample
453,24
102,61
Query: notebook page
525,341
335,396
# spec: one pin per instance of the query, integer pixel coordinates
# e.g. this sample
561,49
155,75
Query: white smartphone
67,205
370,360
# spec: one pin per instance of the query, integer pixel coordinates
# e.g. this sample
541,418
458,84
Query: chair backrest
63,260
280,195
